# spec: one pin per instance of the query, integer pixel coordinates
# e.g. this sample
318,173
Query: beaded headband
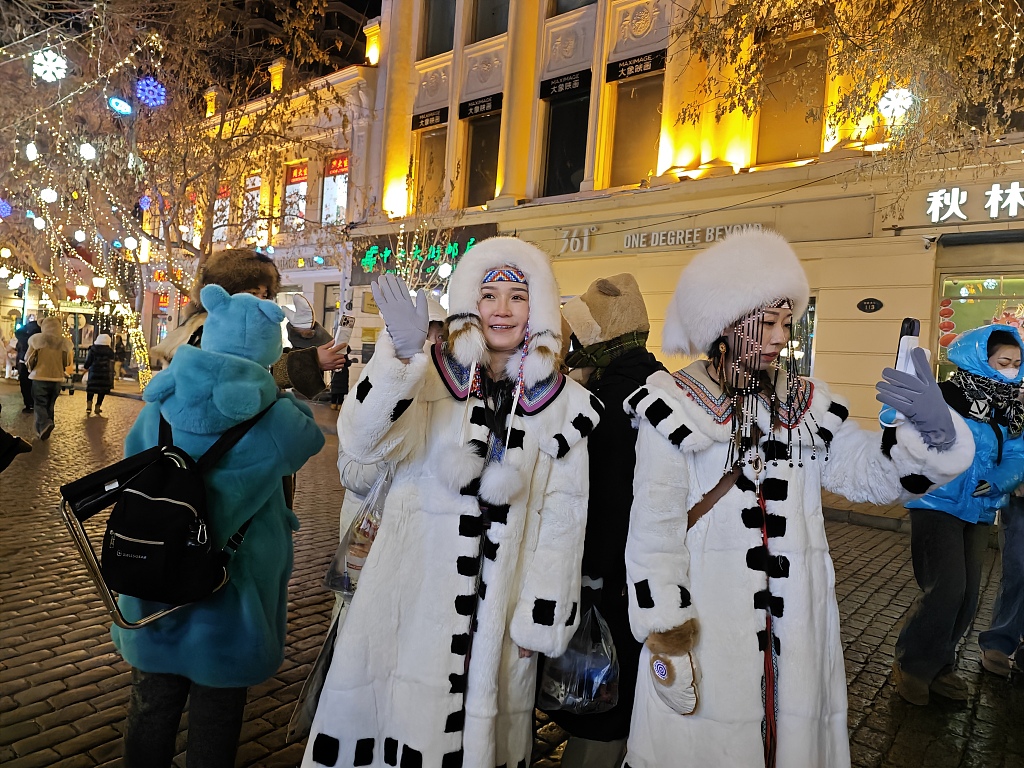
504,274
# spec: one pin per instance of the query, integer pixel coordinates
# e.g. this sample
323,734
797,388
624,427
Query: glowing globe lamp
131,243
79,235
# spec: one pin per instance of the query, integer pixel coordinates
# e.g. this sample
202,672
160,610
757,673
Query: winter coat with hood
23,334
234,638
998,453
404,688
100,365
49,352
758,580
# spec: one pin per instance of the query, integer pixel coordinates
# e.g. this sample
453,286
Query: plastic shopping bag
343,573
305,707
584,679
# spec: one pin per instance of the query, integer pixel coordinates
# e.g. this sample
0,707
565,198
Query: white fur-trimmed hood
466,340
726,282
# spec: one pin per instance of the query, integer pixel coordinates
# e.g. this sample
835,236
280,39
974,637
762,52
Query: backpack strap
166,437
227,441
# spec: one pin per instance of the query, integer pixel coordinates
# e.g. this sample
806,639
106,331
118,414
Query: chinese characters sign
482,106
430,119
637,65
566,86
297,173
953,204
337,166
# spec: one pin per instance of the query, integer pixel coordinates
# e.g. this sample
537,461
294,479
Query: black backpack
157,545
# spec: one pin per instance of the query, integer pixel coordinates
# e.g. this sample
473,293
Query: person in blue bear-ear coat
210,652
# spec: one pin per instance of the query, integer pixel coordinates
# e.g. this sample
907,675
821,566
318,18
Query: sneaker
98,411
912,689
996,662
45,434
88,408
28,409
950,685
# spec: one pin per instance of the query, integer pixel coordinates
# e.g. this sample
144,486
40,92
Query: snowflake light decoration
5,209
49,66
150,91
991,284
144,202
894,103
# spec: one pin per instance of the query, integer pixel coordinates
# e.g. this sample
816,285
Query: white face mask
1009,373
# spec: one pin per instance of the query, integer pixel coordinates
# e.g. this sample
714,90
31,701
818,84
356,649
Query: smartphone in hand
343,331
910,337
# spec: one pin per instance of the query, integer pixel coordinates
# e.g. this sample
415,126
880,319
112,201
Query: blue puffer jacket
236,637
969,351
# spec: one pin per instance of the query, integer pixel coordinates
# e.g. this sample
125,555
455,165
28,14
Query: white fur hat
465,334
728,281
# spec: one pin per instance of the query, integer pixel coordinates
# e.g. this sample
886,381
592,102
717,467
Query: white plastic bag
584,679
343,572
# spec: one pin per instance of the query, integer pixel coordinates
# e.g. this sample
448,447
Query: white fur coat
721,572
402,689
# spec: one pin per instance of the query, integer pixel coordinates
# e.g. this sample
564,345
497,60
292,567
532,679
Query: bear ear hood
465,333
242,325
611,307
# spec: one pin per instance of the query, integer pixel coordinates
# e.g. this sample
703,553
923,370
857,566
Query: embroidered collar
719,407
456,380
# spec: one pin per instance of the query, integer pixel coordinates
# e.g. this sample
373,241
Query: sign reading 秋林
951,205
685,238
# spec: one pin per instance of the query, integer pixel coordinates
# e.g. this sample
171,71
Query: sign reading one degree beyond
428,119
482,106
686,238
635,65
566,86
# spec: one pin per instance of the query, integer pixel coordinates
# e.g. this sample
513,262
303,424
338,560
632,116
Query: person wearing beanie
476,566
950,526
99,362
609,328
49,353
243,270
731,586
210,652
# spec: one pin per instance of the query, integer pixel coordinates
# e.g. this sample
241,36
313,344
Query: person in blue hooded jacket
210,652
950,525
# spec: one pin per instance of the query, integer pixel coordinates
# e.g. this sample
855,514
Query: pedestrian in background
1005,635
23,334
120,354
210,652
99,362
48,357
339,384
950,526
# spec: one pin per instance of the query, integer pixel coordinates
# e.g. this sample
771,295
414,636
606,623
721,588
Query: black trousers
26,385
947,554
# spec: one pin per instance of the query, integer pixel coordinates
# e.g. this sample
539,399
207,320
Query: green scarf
600,355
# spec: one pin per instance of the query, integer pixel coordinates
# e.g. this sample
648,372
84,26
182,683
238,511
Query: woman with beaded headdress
730,582
476,566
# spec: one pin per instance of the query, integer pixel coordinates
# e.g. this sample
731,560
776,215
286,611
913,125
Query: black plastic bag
584,679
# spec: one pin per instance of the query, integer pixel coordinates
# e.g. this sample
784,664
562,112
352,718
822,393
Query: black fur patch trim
452,760
774,489
457,683
762,642
464,604
637,397
679,434
479,448
364,752
563,445
498,513
401,407
521,764
775,526
482,592
391,751
752,517
544,612
775,450
478,416
471,525
325,749
888,441
825,434
744,483
363,389
572,615
490,548
643,594
583,425
460,645
776,566
765,600
684,597
839,410
472,488
657,412
597,405
456,722
468,566
515,438
411,758
916,484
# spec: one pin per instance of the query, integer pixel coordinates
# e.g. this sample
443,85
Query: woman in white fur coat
743,663
476,566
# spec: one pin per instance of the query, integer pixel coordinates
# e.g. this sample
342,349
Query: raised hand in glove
407,322
919,398
674,668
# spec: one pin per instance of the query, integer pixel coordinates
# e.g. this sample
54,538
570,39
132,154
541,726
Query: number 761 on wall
576,240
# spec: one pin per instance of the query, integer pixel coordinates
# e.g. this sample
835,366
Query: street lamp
114,295
131,243
99,282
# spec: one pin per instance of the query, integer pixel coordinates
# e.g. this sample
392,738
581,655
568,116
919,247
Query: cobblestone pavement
63,688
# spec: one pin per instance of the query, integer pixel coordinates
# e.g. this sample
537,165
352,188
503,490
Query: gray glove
919,398
407,322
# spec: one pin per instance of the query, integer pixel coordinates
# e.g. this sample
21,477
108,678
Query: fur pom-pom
541,359
500,483
466,340
461,467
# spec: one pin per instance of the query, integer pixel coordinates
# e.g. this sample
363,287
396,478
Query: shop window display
794,86
484,136
637,129
971,301
429,170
